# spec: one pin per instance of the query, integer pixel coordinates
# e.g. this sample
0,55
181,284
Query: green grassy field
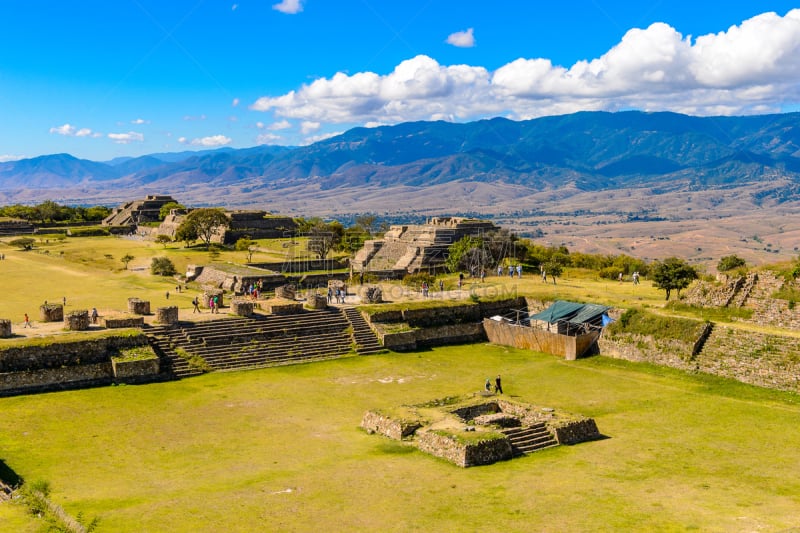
280,449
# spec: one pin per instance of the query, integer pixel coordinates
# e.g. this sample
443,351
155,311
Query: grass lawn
280,449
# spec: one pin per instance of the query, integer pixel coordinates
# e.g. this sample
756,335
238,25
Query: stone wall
575,431
533,338
123,322
463,454
375,422
5,327
135,371
62,378
54,354
427,337
644,349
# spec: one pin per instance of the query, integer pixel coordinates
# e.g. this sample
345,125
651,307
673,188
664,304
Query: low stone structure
241,307
138,307
77,320
287,292
279,306
316,301
167,315
371,294
123,322
469,432
5,328
138,211
51,313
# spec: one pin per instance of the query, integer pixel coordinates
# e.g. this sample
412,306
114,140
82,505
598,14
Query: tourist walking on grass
498,387
27,322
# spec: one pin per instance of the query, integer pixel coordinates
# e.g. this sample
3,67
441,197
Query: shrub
730,262
162,266
89,232
26,243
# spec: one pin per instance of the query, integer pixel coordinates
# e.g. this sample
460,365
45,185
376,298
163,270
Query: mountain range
529,171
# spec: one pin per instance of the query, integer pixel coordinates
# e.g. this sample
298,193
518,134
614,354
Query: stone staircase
525,440
366,343
242,343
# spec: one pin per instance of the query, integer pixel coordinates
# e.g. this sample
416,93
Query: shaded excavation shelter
566,329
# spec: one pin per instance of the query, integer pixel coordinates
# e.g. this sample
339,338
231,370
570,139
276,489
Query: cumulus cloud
139,121
268,138
750,68
126,138
5,158
290,7
462,39
66,129
235,102
308,126
211,141
182,140
280,125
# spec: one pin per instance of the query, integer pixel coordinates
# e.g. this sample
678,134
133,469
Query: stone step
525,440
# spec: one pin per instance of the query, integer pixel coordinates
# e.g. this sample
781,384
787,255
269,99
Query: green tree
96,213
672,273
166,208
203,223
246,244
366,223
25,243
730,262
323,237
163,239
162,266
127,258
553,269
461,253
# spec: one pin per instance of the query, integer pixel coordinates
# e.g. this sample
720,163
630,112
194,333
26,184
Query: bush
416,280
162,266
730,262
89,232
26,243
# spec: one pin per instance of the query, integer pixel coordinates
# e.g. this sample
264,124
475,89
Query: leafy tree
323,237
730,262
672,273
461,253
203,223
95,213
246,244
553,269
163,239
366,223
166,208
25,212
186,233
25,243
162,266
127,258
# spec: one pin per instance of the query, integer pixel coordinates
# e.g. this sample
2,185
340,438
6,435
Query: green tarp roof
572,312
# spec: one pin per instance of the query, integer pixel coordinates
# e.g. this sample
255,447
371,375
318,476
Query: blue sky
101,79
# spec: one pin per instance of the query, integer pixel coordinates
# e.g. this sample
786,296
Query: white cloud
281,125
235,102
750,68
234,7
268,138
182,140
83,132
213,140
290,7
5,158
139,121
126,138
462,39
66,129
308,126
193,117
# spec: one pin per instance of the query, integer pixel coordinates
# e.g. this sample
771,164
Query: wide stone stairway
191,348
525,440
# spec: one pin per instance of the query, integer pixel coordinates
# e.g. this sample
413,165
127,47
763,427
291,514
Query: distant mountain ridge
586,151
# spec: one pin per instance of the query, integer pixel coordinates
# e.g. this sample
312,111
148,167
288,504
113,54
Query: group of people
254,289
511,270
498,386
339,293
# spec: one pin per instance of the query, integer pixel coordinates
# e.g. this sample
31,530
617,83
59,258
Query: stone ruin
316,301
209,293
252,224
416,248
77,320
138,211
51,313
5,328
240,307
480,431
372,295
138,307
286,292
167,315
